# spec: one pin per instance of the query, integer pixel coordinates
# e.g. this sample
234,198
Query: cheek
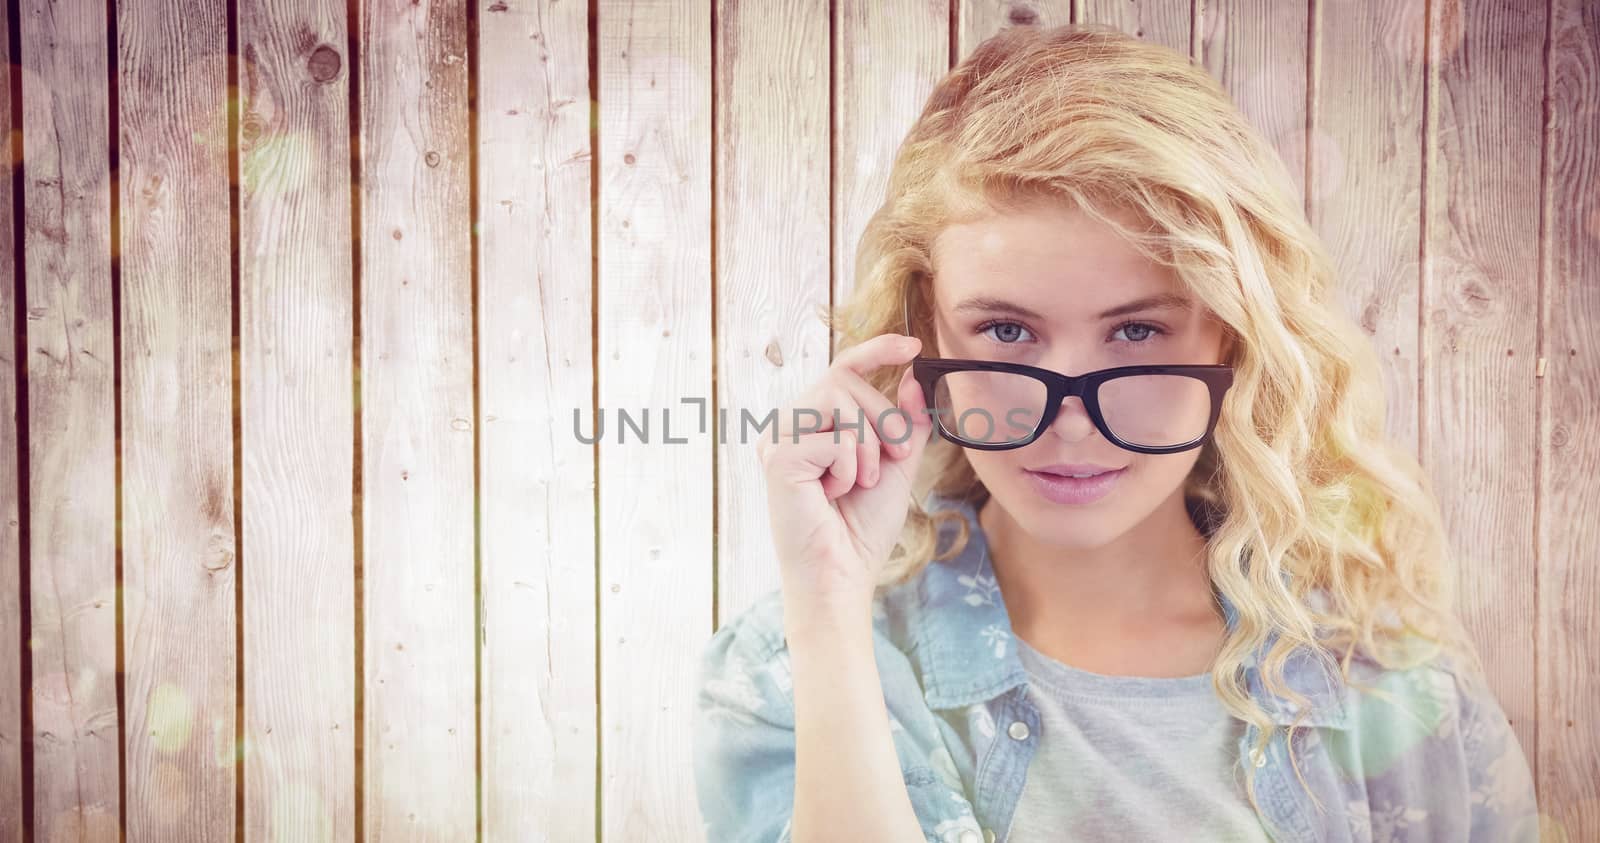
994,466
1158,474
1000,469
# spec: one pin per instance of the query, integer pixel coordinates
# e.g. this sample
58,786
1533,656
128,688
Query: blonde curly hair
1299,490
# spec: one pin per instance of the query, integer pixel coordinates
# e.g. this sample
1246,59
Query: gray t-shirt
1131,758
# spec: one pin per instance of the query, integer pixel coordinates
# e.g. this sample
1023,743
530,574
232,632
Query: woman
1186,592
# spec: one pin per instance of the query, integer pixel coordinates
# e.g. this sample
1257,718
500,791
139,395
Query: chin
1081,531
1068,526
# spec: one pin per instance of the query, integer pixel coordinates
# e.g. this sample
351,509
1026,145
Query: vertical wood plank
1165,22
178,535
1258,50
888,55
980,19
655,351
66,184
1568,744
417,425
11,820
772,258
296,421
1480,315
1365,179
536,358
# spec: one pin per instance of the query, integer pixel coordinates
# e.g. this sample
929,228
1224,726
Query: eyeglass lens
998,408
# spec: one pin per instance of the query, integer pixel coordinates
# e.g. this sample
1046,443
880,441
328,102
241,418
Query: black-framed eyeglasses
990,405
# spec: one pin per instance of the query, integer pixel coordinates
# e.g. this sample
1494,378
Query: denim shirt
1427,760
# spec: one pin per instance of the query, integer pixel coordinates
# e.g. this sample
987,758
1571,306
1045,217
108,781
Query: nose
1072,422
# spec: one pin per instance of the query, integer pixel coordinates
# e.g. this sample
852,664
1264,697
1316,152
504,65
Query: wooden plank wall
176,486
10,519
315,303
1567,459
537,719
297,326
71,758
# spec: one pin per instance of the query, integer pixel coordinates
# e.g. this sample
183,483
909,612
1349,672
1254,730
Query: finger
814,456
882,350
852,418
841,476
878,411
811,411
833,408
867,462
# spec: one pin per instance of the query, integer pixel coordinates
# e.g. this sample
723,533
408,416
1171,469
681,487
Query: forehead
1049,255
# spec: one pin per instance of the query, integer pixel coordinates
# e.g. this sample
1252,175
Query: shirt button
988,835
1258,757
1018,730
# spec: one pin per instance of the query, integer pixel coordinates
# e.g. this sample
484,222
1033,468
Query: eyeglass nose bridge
1064,387
1083,387
1074,386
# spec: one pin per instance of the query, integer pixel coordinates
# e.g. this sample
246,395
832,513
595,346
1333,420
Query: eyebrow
1160,301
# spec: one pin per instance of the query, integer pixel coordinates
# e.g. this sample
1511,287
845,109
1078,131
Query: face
1048,286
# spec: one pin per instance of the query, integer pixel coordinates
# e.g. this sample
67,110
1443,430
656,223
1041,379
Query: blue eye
1144,330
1006,333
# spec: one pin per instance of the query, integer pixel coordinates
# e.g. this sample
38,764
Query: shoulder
1433,740
1436,696
1405,705
1499,788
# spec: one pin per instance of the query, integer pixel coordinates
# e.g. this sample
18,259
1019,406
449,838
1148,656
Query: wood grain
296,421
71,450
1365,181
1259,51
980,19
1568,438
417,425
536,368
655,349
888,55
1480,306
11,708
178,533
772,259
664,240
1164,22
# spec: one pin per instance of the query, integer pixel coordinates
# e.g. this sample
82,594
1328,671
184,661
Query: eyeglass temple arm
905,309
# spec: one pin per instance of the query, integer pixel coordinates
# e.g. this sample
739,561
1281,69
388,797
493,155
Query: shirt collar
964,651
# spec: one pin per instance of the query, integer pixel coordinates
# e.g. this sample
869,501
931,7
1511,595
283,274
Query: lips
1064,489
1077,468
